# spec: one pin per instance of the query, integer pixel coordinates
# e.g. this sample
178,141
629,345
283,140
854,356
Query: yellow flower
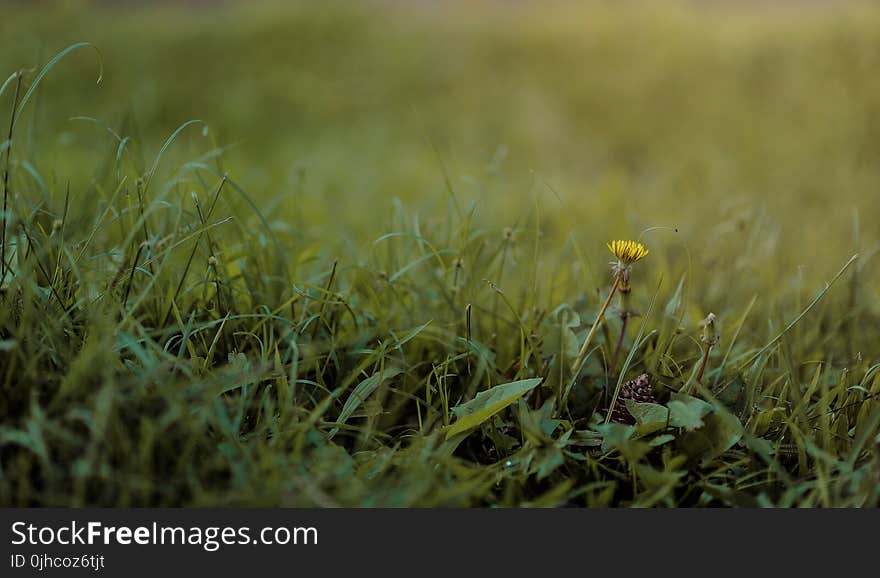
628,252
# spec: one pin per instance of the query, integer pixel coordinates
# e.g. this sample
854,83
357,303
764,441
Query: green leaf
362,391
650,417
547,462
586,438
720,432
661,439
615,435
557,332
674,304
411,335
47,67
723,431
538,425
648,413
687,411
488,403
560,343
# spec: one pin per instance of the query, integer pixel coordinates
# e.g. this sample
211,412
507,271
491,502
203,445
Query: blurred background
753,127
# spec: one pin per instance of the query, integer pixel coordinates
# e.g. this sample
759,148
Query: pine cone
638,390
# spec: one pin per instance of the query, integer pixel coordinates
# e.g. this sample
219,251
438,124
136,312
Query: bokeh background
738,123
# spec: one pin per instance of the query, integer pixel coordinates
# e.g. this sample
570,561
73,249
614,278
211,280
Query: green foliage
687,411
487,403
363,278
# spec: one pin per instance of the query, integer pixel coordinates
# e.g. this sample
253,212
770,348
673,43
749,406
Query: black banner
142,542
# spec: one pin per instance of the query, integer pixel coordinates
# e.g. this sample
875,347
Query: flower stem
576,366
623,319
704,362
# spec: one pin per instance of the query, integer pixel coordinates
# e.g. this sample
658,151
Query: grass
362,279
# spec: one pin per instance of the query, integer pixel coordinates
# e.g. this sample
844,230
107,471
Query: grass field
347,254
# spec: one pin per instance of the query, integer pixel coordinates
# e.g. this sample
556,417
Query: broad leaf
488,403
547,461
723,430
649,416
687,411
615,435
720,432
661,439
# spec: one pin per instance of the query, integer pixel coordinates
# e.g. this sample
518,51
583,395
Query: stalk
576,366
6,181
624,318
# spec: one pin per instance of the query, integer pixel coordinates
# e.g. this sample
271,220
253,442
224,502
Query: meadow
347,254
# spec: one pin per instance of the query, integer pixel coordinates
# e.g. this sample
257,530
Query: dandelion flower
628,252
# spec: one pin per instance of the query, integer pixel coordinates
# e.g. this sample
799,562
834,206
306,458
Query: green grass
362,278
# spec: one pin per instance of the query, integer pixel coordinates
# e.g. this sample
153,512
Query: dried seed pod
638,390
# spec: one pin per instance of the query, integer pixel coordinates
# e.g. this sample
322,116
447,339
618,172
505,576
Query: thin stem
6,180
323,299
704,362
576,366
497,296
203,218
624,318
131,276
